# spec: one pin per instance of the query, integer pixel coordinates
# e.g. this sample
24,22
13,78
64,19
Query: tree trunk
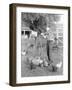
48,50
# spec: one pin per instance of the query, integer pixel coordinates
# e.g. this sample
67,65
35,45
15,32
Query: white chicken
37,61
45,63
56,67
59,65
23,52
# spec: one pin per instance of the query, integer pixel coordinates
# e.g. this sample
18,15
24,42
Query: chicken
54,68
23,52
37,61
59,65
45,63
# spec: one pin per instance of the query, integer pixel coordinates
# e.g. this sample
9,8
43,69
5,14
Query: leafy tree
36,22
39,21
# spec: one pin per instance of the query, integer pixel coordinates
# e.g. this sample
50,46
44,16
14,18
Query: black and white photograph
41,39
41,44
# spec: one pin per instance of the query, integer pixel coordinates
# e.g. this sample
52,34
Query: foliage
39,21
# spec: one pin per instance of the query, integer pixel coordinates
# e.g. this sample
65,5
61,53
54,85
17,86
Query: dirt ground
56,55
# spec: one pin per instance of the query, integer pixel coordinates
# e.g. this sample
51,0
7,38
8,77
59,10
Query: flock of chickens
42,63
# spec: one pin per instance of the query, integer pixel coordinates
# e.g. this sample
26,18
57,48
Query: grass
56,56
